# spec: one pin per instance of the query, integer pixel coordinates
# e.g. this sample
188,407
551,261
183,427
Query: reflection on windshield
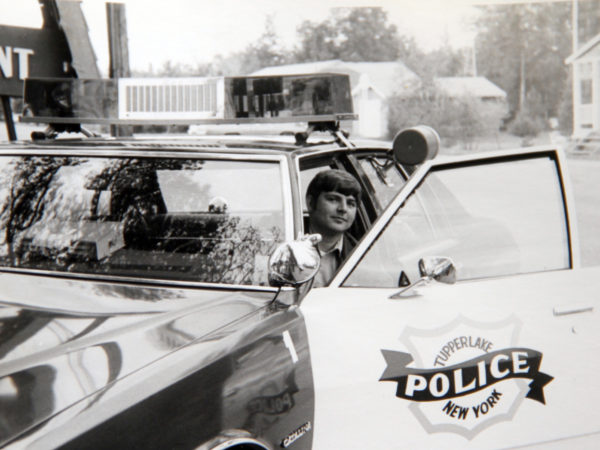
197,220
384,176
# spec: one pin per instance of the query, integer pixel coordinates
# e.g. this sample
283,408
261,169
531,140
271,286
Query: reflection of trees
128,180
134,182
146,239
232,260
216,250
24,204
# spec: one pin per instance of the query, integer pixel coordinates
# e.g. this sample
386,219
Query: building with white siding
586,88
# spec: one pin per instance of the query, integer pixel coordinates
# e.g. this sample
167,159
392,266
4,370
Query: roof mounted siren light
413,146
321,99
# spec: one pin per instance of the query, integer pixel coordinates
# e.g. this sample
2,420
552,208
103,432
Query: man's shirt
330,262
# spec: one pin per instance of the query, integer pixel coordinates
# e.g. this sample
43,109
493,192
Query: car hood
67,342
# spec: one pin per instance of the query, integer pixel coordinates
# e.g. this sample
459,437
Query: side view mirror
438,268
294,263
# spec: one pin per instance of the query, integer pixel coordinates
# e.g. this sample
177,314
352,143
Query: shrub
456,119
524,125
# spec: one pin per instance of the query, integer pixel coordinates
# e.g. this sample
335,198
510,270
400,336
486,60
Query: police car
157,292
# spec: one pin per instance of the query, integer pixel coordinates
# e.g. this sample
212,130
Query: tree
441,62
264,52
522,48
458,119
171,69
447,62
588,20
349,34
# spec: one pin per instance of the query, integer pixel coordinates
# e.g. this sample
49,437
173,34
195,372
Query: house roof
473,86
387,78
584,49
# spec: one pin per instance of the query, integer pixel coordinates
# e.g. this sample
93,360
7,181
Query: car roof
256,145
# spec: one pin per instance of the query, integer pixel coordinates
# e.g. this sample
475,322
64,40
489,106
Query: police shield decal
465,376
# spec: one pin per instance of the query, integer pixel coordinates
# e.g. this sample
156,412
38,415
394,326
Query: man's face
332,212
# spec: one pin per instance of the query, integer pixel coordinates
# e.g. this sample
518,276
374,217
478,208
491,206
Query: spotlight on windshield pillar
415,145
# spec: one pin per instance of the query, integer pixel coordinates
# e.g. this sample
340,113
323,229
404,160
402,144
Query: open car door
506,356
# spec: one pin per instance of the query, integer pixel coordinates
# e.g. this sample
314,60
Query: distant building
586,87
373,83
477,87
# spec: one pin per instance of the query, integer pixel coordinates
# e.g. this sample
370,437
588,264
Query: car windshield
490,219
206,220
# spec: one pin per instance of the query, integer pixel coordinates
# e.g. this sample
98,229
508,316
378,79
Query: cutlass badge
296,434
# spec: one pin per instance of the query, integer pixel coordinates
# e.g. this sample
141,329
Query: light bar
260,99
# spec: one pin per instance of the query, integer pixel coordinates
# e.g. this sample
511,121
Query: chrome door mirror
438,268
296,262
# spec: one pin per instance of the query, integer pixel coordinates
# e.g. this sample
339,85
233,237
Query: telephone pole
118,53
575,20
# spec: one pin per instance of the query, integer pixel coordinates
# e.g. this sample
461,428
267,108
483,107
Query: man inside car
332,198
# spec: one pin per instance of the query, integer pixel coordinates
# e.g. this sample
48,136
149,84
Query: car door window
384,175
203,220
306,176
498,218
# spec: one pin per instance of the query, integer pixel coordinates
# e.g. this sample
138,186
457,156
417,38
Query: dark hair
334,180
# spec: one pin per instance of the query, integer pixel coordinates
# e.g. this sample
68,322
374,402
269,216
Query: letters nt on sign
6,61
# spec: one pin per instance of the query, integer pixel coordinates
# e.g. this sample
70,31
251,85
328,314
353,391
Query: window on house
585,84
586,92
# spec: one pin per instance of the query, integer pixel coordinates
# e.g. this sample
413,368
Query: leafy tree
441,62
317,42
461,119
588,20
522,48
349,34
264,52
171,69
447,62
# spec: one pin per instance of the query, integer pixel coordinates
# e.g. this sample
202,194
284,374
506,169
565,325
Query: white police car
137,308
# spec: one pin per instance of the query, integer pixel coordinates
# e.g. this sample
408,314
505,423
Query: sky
195,31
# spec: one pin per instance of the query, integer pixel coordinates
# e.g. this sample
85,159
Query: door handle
571,309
